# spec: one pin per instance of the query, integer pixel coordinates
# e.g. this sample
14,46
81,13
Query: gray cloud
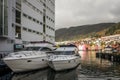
80,12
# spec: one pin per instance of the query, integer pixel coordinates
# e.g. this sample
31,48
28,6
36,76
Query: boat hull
64,64
20,65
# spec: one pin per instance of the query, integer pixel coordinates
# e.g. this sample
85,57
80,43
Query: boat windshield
64,52
32,48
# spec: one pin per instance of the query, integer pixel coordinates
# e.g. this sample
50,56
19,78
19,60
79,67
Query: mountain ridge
77,32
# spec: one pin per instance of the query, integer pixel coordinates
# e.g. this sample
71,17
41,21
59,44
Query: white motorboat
108,50
33,58
64,58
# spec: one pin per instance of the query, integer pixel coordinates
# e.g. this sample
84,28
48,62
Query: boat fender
29,60
42,59
68,61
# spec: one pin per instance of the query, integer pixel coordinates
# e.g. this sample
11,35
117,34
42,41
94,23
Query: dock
113,57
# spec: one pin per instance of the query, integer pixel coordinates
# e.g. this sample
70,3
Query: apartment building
24,21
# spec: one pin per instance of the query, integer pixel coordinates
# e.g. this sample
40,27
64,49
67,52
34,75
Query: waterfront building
23,21
111,37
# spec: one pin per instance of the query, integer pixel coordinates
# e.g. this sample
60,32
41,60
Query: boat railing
4,53
31,53
50,52
60,57
28,54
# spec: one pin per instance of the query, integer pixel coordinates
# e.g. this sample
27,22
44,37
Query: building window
18,4
29,30
40,23
18,32
44,19
25,29
37,10
34,20
37,33
29,17
37,21
33,31
44,30
44,5
18,17
33,7
24,15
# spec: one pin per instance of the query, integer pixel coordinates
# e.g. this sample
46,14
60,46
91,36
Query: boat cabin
66,51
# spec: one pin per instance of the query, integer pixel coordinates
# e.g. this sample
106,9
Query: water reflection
47,74
92,66
64,75
5,73
83,55
34,75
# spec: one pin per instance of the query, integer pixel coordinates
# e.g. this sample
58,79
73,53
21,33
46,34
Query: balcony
2,35
1,32
18,4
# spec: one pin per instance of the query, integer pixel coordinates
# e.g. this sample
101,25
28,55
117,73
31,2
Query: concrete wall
27,36
6,45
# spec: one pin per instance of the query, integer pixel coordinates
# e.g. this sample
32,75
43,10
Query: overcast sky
80,12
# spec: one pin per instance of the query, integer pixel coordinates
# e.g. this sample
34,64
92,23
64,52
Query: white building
23,21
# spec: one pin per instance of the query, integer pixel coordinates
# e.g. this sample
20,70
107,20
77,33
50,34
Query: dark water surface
91,68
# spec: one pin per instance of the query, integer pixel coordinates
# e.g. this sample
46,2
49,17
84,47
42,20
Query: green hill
115,29
95,30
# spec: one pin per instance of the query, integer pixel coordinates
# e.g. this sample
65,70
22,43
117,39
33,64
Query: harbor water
91,68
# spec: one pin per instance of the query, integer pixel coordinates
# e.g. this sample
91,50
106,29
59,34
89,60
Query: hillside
75,33
115,29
